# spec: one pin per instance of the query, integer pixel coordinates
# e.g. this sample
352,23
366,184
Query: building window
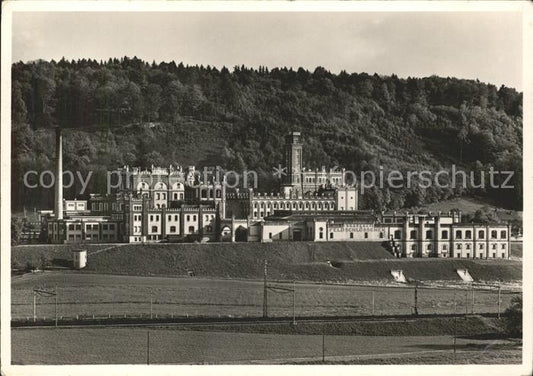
458,234
321,235
112,226
481,246
194,218
381,235
172,228
503,234
397,234
71,227
458,255
413,247
351,235
444,247
429,234
331,235
270,235
459,246
468,234
445,234
494,246
175,218
503,246
104,227
154,228
191,229
188,217
151,218
468,246
482,234
413,234
494,234
366,235
503,255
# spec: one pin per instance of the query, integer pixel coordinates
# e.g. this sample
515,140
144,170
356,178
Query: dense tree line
127,111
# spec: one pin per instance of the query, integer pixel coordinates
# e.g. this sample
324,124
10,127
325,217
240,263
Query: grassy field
169,346
103,295
507,354
472,326
56,255
471,205
301,261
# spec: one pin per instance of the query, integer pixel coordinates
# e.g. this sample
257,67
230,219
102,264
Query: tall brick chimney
59,175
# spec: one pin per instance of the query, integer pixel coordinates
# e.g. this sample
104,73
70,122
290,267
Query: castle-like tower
291,182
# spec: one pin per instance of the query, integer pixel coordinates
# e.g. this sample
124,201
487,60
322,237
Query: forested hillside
127,111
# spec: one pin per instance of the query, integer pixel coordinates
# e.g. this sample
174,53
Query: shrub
513,317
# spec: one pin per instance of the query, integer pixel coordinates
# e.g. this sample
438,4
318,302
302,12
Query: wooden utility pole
466,302
265,292
151,302
416,298
323,348
473,298
293,303
148,347
454,326
499,299
55,292
34,306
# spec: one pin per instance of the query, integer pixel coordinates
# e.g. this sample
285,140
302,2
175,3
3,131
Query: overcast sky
486,46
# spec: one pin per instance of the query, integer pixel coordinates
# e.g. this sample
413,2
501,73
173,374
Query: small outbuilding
79,258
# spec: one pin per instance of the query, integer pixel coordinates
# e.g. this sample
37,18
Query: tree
153,101
16,229
513,317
